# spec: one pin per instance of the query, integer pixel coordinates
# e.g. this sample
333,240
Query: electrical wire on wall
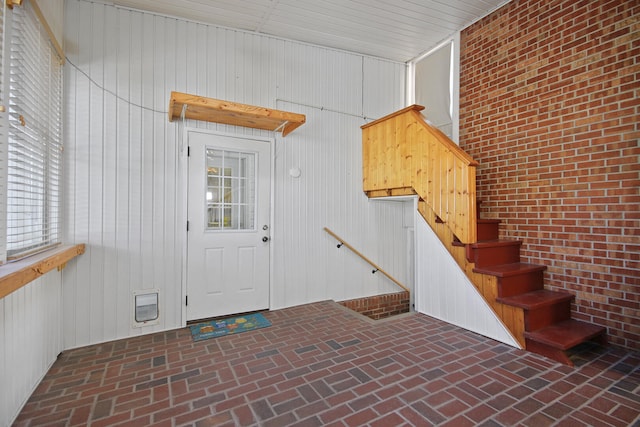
133,104
110,92
360,116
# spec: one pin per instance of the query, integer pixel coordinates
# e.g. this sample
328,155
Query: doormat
232,325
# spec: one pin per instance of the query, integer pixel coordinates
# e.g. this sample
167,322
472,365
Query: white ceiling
399,30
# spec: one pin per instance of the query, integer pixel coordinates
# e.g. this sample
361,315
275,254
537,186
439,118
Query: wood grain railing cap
414,107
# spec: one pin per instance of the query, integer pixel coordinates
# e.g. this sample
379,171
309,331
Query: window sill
17,274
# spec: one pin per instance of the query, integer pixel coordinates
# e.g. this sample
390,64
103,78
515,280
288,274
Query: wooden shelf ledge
232,113
17,274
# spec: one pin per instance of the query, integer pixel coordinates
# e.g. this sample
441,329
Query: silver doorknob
265,239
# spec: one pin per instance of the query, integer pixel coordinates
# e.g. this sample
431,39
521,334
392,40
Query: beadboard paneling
307,264
443,290
123,176
30,340
395,29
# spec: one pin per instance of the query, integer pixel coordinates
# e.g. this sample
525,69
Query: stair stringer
443,290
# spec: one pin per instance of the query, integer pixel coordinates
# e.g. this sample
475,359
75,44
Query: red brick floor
323,365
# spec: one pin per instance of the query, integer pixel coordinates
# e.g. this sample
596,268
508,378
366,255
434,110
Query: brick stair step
566,334
536,299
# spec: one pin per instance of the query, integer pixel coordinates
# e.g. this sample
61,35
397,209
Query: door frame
183,186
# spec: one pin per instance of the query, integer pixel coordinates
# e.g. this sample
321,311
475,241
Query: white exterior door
228,211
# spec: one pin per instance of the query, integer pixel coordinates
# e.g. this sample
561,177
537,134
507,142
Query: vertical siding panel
137,236
169,269
69,211
199,60
30,340
316,204
211,66
160,174
244,69
122,183
147,154
189,67
180,56
136,157
110,164
221,69
17,314
95,158
281,163
80,155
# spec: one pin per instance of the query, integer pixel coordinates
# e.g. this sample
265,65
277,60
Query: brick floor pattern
322,365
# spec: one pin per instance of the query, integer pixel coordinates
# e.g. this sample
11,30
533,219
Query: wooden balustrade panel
402,151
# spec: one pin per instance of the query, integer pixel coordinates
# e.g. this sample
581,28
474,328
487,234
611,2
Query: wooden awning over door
233,113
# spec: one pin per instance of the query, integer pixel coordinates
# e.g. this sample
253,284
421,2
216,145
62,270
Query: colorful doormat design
232,325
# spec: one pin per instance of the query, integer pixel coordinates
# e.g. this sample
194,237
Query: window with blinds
34,158
3,140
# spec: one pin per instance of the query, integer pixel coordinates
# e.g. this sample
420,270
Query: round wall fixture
295,172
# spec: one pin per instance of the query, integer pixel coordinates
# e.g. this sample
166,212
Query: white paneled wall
328,193
122,185
30,340
443,290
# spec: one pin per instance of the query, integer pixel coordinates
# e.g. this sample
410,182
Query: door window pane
230,195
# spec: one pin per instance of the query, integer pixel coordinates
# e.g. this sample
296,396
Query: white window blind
35,137
3,139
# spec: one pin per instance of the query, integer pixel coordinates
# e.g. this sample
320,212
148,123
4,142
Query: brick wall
550,107
380,306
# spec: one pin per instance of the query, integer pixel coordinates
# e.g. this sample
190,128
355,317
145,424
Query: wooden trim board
17,274
233,113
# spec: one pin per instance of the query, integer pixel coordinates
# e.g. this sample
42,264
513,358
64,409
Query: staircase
404,155
548,327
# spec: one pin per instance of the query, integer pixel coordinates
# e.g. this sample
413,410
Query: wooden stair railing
375,266
402,154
